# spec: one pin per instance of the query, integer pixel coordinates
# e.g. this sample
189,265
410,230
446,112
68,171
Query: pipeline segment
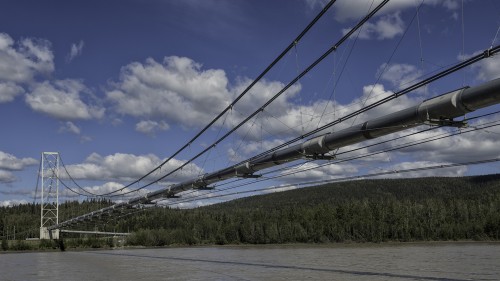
440,110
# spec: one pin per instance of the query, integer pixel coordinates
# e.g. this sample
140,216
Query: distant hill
421,209
416,189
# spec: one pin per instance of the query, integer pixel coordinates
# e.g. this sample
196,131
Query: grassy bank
83,243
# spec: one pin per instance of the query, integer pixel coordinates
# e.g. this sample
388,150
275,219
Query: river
419,261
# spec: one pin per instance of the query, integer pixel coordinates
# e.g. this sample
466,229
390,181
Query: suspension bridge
319,144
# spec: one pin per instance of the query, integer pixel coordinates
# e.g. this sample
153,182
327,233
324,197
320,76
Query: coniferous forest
423,209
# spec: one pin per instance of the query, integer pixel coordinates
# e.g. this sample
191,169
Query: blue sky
118,86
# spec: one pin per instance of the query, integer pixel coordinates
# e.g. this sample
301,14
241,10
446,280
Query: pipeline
440,110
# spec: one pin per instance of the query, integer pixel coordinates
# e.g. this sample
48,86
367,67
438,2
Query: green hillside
422,209
364,211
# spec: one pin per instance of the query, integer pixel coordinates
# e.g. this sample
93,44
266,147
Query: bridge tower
49,195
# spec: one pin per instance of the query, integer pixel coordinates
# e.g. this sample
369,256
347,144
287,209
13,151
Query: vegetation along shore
399,210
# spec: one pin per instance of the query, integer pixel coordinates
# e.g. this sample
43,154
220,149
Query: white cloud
399,75
9,91
451,4
244,149
235,156
355,9
398,170
316,4
334,110
279,188
12,163
149,127
478,145
261,93
62,99
6,177
128,167
314,171
13,202
76,50
179,90
486,69
84,139
386,27
176,90
361,149
22,63
292,119
70,127
109,187
308,117
9,162
468,145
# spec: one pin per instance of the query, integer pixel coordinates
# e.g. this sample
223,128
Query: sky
116,87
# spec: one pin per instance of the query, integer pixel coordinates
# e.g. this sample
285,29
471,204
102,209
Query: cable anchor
320,157
487,53
447,123
248,176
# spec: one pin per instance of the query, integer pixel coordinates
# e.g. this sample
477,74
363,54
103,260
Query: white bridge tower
49,195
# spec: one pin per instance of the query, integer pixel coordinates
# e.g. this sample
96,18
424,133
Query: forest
421,209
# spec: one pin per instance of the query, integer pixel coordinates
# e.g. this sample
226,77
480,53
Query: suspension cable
409,144
230,106
405,91
311,66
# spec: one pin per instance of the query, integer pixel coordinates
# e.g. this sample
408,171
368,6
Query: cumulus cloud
22,62
244,149
400,75
358,149
7,177
178,85
294,119
333,110
313,171
400,170
289,122
386,27
9,162
75,51
179,90
486,69
111,187
355,9
468,145
278,188
128,167
13,202
12,163
84,139
261,93
70,127
62,99
316,4
9,91
176,89
150,127
465,147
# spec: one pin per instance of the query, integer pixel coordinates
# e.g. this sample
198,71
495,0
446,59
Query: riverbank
32,246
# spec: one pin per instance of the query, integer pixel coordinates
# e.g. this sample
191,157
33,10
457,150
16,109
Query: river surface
421,261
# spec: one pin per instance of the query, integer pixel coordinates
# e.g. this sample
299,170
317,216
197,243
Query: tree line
423,209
